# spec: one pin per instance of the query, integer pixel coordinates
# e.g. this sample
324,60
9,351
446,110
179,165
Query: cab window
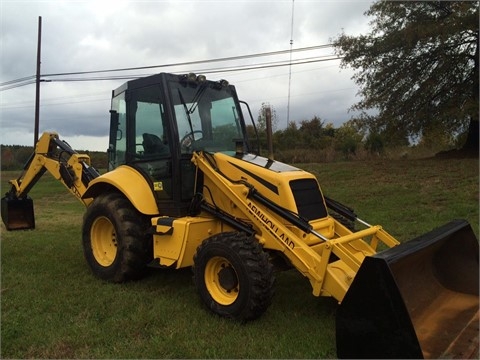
151,151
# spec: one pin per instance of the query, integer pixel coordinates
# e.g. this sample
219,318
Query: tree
261,121
348,139
14,157
418,67
311,132
391,134
288,138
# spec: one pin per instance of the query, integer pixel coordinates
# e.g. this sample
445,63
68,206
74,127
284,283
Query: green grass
407,197
52,307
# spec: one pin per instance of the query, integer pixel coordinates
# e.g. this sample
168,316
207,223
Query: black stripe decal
265,183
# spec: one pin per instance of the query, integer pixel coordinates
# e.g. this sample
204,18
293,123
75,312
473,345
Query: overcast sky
101,35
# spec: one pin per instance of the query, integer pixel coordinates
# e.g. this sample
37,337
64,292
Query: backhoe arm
51,154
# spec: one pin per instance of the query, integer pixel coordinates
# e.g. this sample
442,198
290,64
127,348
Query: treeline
14,157
314,141
305,142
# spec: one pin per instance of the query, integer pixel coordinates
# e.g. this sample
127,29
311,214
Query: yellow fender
130,183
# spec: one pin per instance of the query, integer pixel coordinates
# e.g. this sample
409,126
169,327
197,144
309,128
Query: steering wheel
187,141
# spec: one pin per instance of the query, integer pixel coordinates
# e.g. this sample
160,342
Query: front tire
233,276
114,239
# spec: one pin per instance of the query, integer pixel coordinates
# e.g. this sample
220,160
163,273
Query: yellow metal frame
131,183
177,244
312,260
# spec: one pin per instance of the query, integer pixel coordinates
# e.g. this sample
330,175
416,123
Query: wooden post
268,125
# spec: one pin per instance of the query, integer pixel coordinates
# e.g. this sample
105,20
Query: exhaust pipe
419,299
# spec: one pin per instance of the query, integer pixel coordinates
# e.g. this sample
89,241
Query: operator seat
152,144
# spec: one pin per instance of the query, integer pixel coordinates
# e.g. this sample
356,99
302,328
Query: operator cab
157,122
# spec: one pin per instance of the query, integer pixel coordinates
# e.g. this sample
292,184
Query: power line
209,71
18,84
12,84
273,65
203,71
53,101
231,58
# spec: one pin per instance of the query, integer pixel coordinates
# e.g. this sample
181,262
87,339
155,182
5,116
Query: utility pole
290,65
37,83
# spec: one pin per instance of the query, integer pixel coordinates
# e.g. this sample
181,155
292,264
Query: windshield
207,117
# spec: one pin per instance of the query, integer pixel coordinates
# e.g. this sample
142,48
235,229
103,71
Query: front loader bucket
17,214
416,300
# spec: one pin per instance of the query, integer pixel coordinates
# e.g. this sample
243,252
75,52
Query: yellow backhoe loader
185,188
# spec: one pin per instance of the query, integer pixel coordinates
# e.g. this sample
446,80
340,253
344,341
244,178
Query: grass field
52,307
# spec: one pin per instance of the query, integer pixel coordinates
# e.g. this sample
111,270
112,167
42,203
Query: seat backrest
152,144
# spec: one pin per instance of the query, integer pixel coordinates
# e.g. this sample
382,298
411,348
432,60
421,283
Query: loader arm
275,231
51,154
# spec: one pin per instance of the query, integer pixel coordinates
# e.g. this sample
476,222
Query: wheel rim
104,241
221,280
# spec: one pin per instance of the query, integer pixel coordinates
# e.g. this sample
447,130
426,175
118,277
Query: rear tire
233,276
114,239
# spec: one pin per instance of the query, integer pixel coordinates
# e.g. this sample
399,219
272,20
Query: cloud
100,35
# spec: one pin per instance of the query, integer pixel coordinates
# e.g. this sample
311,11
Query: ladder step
164,226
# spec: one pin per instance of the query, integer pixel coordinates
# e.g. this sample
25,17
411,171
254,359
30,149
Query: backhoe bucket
416,300
17,214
